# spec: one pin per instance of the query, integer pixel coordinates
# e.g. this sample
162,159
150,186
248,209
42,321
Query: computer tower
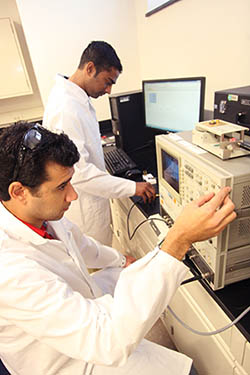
233,105
127,117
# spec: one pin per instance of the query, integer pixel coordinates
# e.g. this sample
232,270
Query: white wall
23,107
197,37
57,32
187,38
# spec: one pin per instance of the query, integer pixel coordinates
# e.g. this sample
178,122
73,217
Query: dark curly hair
53,147
102,55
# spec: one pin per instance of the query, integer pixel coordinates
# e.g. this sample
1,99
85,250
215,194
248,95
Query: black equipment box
233,105
128,124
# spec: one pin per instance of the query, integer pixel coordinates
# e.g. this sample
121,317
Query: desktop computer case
233,105
127,117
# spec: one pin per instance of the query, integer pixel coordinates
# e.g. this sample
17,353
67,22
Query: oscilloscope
185,172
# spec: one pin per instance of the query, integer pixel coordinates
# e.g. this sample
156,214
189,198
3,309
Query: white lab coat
56,320
69,109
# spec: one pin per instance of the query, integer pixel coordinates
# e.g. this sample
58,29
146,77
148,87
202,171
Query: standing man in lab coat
55,318
69,109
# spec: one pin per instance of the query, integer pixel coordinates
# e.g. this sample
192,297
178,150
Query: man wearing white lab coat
56,319
69,109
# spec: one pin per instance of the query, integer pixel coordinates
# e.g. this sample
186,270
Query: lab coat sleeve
92,179
100,256
95,254
102,331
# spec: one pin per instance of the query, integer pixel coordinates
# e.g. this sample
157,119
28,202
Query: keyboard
118,162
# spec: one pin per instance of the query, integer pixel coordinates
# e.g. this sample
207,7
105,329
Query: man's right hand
146,191
202,219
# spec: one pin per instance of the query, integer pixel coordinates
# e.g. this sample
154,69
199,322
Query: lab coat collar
72,88
20,231
10,224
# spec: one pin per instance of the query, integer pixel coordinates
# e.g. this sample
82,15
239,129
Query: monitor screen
173,105
170,170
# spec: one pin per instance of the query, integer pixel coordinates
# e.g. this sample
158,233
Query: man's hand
129,260
145,190
202,219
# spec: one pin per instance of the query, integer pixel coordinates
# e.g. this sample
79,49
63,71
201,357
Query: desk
227,353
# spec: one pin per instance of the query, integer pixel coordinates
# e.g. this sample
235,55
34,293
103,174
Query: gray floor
159,335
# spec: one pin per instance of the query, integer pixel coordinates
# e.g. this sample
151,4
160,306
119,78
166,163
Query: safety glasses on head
31,139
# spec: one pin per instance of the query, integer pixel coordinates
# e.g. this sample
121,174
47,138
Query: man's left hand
129,260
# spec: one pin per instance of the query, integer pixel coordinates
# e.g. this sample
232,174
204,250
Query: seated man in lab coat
55,318
69,109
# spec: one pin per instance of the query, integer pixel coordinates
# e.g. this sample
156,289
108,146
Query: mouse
132,173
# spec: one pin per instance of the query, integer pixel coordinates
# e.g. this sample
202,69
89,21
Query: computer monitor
173,105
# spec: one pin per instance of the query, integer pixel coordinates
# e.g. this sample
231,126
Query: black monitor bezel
202,97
